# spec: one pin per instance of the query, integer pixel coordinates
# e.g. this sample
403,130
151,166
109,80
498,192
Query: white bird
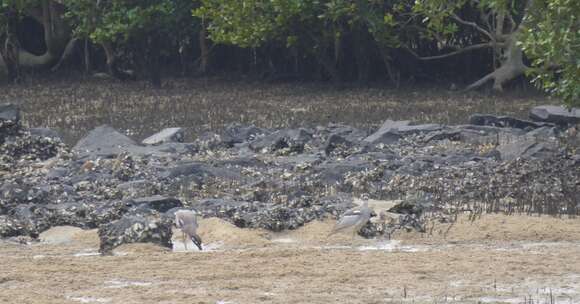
186,220
354,219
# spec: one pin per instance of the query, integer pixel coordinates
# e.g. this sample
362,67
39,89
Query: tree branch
68,51
460,51
474,25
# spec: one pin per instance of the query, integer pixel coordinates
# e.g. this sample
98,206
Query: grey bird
186,220
354,219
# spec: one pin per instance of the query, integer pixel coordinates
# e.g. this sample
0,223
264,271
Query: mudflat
494,259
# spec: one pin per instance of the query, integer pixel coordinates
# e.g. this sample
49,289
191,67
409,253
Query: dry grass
76,106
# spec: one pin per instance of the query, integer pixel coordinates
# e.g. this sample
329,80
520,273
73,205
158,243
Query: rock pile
282,179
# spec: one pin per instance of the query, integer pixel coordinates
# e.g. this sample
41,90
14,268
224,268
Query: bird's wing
352,212
348,219
185,217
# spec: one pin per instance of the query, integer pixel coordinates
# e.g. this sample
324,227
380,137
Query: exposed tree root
511,68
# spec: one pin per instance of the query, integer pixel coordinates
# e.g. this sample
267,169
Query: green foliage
435,17
549,32
16,7
552,39
119,20
250,23
309,24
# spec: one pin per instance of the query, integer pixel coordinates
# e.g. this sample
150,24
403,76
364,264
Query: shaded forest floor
74,106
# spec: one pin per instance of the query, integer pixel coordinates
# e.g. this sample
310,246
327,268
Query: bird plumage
354,219
186,220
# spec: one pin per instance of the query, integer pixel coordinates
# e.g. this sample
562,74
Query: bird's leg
184,240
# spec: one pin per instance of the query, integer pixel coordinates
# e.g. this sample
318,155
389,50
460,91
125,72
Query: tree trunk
11,48
204,50
324,59
512,67
361,52
154,65
87,56
393,73
69,50
328,65
56,35
337,49
112,61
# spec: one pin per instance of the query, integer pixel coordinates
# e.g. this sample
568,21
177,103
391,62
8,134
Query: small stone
165,136
556,114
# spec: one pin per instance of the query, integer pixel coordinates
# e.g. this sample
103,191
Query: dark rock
210,141
279,217
45,132
452,135
299,210
9,114
333,173
387,133
510,187
556,114
27,147
12,193
57,173
169,148
417,129
199,169
153,228
349,133
505,121
38,194
487,167
158,202
543,133
474,134
165,136
336,205
299,162
10,226
228,209
414,203
392,131
9,120
415,167
293,140
137,188
104,212
235,134
70,214
386,138
104,141
90,176
241,161
337,145
31,219
527,148
458,159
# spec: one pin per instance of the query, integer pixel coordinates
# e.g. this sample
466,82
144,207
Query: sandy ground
496,259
